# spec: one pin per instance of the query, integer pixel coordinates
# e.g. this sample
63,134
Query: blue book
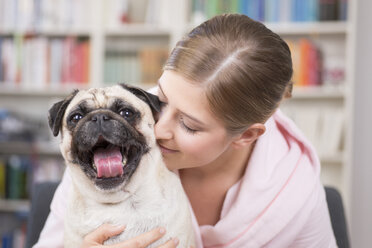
7,240
302,10
251,9
294,11
243,7
261,10
313,10
342,10
256,9
305,11
272,8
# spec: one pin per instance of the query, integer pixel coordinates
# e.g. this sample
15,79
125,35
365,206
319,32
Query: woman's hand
96,238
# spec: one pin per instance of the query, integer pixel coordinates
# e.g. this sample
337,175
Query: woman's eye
189,130
76,117
126,113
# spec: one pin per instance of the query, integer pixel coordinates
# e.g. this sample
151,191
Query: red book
86,62
66,60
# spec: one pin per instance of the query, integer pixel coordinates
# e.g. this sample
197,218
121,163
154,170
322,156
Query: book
212,8
273,10
37,15
55,61
7,240
342,9
1,62
16,178
9,62
2,179
152,61
86,61
16,236
285,10
307,62
333,121
327,10
309,120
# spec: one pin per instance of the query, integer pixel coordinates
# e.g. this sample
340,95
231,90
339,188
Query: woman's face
187,132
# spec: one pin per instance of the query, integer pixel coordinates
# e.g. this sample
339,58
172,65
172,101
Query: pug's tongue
108,162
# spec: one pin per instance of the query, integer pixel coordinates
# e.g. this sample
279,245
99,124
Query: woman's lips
166,150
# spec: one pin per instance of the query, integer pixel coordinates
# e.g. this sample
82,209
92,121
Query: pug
118,175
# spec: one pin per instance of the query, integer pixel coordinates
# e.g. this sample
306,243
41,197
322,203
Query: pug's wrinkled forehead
110,98
106,98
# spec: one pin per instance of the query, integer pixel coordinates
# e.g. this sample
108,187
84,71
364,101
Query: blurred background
50,47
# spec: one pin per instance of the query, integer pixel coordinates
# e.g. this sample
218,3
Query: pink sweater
279,202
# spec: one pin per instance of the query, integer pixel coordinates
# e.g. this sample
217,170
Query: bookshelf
320,101
111,42
323,106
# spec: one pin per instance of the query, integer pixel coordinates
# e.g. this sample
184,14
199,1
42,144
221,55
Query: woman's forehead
187,97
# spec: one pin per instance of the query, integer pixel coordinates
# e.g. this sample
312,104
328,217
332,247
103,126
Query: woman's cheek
195,146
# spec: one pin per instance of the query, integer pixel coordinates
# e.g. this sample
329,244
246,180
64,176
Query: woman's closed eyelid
186,127
180,119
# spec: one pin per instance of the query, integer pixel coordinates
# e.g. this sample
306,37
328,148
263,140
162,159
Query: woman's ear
249,136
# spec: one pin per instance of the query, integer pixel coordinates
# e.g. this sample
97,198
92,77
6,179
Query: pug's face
105,131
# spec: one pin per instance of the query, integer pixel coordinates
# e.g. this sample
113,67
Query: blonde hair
244,67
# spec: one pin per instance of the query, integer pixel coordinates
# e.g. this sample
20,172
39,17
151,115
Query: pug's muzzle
106,146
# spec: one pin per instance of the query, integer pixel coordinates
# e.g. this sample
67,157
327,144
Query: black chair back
338,219
41,197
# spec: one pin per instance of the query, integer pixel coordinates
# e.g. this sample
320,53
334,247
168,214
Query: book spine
86,62
7,240
327,10
211,7
234,8
243,7
1,62
342,10
2,179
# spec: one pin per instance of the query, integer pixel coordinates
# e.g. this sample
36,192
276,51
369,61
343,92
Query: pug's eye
126,113
76,117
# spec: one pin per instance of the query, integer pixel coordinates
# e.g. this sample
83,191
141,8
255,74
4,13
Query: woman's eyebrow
161,90
193,118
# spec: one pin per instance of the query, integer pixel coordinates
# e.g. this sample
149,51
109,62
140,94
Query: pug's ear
57,111
151,99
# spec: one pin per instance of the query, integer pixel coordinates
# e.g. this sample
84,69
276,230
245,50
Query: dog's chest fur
151,206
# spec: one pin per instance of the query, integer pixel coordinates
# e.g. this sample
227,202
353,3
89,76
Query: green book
212,8
16,175
234,6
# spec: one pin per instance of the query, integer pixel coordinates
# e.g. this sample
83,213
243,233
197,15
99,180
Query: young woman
251,177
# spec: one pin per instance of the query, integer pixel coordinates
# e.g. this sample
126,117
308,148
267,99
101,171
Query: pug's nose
100,118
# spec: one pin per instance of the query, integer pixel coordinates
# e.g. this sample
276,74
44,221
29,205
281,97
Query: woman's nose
163,127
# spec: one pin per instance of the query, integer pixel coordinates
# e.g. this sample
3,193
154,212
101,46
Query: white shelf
309,28
318,92
47,91
58,91
337,159
48,32
7,205
137,30
43,149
